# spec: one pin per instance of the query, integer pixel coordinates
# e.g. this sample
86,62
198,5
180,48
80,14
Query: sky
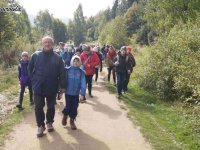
65,8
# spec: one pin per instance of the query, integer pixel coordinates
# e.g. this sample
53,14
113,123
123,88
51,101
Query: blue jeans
121,80
71,106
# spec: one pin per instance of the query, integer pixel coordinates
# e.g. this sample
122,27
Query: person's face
87,52
61,46
76,63
47,44
78,53
123,53
24,58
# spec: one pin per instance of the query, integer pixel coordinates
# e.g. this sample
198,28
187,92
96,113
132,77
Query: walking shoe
64,120
40,131
72,124
90,95
31,103
50,127
19,107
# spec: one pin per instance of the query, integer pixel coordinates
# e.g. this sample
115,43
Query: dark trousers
71,106
126,82
21,96
39,105
96,74
111,69
121,79
88,79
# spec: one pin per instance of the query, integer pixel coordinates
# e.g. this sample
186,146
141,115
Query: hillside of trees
170,29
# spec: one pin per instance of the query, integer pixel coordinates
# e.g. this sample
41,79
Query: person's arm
19,71
96,61
31,65
62,79
83,84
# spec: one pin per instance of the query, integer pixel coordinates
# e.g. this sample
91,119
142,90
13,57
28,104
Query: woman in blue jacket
76,84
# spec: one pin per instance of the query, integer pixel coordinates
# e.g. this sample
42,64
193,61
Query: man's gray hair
47,37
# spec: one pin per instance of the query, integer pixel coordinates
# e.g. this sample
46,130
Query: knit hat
128,48
95,49
123,48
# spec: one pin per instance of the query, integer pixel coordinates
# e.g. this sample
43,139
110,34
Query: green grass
9,84
165,125
13,119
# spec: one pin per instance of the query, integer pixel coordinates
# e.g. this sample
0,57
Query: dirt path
102,125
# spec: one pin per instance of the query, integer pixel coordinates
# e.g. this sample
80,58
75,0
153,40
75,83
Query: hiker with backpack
46,69
76,84
123,66
89,61
110,64
24,79
132,63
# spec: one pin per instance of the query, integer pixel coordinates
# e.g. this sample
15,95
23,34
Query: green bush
172,66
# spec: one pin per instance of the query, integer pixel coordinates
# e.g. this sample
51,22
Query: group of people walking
50,74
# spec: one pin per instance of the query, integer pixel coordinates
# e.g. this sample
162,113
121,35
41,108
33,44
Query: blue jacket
23,73
75,81
47,72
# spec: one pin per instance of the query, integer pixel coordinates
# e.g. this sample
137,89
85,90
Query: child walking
24,79
76,84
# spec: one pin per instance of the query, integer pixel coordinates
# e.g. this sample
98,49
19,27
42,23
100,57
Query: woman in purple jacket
24,79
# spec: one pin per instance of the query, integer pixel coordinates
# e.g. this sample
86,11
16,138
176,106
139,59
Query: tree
43,23
79,26
59,31
114,33
114,9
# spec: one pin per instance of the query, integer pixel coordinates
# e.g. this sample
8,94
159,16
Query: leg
39,112
21,95
66,110
114,75
90,85
51,99
96,74
73,112
119,83
30,93
109,72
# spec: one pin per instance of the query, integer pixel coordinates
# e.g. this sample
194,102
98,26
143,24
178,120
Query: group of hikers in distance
49,73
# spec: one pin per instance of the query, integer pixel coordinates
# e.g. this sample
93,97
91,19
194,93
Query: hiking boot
19,107
64,120
40,131
72,124
50,127
90,95
31,103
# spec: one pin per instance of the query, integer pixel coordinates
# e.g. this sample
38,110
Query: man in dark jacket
46,70
123,66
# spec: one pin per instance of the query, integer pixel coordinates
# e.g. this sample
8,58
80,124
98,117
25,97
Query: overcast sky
65,8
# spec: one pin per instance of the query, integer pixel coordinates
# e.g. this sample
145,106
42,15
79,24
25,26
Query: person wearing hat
89,61
24,79
123,66
132,63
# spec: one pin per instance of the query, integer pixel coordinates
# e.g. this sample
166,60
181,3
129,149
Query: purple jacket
23,73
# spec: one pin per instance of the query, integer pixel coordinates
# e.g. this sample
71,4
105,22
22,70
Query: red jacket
92,62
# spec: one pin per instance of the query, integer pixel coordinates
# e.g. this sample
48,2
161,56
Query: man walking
46,70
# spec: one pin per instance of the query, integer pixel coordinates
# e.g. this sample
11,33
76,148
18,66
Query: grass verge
165,125
9,85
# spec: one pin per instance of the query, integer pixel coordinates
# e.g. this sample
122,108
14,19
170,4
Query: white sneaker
40,131
49,127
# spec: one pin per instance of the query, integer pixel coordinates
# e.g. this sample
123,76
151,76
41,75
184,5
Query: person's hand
116,63
88,65
129,71
81,98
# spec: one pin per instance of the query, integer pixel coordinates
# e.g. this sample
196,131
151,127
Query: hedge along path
101,123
